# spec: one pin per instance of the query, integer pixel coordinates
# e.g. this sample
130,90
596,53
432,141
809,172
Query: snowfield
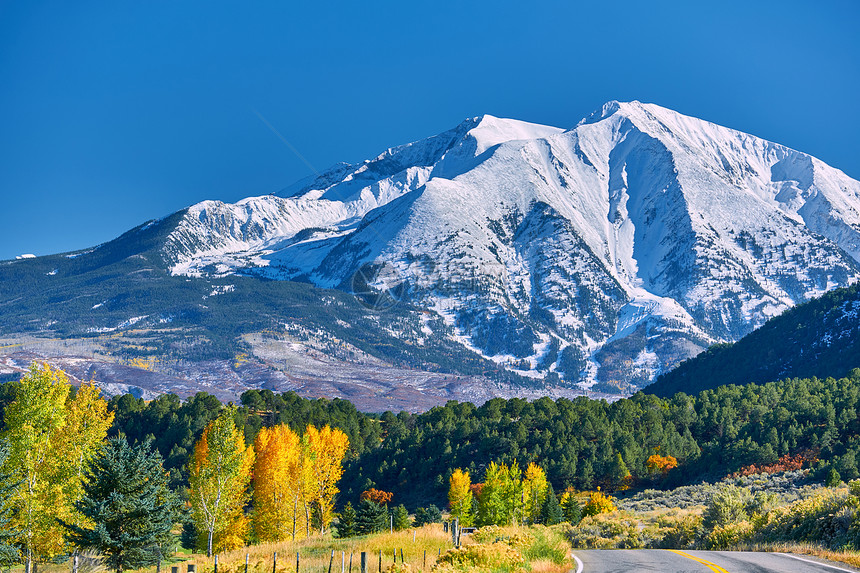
605,253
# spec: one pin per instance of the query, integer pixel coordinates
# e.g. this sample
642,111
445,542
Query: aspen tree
460,497
277,483
51,439
220,470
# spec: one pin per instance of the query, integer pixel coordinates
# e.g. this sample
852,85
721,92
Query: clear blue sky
115,112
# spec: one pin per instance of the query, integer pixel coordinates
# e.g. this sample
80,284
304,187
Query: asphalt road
669,561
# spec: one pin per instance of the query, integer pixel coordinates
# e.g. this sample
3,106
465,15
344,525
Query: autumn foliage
218,479
657,464
460,497
52,437
295,480
598,502
784,464
377,496
279,496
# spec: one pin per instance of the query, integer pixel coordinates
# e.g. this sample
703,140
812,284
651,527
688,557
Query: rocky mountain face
605,253
598,256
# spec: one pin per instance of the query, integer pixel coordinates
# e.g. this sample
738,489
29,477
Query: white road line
579,564
817,563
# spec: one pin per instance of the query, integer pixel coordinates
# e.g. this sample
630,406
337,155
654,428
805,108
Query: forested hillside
577,442
817,338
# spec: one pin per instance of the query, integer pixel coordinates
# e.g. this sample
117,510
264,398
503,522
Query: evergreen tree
346,521
571,508
430,514
551,512
188,537
618,473
371,517
401,518
128,503
8,554
833,478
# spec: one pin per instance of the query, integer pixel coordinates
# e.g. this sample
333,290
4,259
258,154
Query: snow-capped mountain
603,253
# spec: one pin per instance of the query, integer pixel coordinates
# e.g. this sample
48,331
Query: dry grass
847,557
315,553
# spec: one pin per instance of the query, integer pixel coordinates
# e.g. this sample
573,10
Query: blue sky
115,112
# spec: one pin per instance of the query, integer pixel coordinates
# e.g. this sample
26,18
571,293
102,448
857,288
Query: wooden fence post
380,561
342,562
275,562
297,562
216,564
247,556
331,561
350,562
363,562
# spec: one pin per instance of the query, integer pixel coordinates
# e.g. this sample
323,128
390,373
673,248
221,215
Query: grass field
492,550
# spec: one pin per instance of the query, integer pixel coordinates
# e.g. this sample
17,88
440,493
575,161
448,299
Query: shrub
606,531
729,535
479,557
728,505
598,503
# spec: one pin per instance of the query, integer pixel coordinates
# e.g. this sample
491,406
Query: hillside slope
819,338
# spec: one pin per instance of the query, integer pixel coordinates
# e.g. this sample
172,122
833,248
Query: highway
671,561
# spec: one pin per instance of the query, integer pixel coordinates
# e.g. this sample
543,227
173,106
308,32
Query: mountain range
594,257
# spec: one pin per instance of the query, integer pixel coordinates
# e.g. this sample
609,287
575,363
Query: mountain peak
489,130
555,253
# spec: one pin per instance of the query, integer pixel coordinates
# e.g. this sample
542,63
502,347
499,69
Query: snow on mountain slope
605,253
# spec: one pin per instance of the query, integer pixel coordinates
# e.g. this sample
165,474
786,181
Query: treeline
579,443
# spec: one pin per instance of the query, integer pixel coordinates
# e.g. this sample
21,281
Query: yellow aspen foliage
501,498
50,439
460,497
535,488
598,502
87,423
220,470
277,484
324,468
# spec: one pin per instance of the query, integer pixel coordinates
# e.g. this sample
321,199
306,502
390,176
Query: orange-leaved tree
220,470
660,464
278,491
377,496
460,497
324,452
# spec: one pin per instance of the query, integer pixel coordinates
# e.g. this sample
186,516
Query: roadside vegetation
735,467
